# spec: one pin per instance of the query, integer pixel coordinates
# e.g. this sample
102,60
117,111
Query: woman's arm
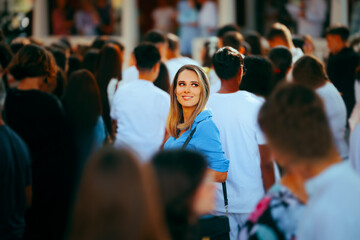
219,176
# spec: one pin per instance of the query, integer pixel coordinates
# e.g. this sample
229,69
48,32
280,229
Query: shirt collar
325,178
203,115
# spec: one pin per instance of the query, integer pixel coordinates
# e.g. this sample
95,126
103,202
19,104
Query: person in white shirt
159,40
235,114
175,59
140,108
163,16
309,71
208,18
297,130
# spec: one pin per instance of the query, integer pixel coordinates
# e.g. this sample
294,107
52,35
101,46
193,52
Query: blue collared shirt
205,140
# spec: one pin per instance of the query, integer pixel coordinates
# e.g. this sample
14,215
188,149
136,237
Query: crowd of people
251,143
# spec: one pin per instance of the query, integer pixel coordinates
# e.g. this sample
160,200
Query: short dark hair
280,30
233,39
99,42
5,55
254,40
146,55
294,122
258,77
60,57
155,37
173,41
227,62
227,28
281,57
309,71
339,30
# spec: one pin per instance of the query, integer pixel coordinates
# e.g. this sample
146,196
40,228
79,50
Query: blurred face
204,200
188,90
333,42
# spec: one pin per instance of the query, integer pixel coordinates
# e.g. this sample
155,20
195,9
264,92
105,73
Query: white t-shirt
140,109
333,210
235,115
354,153
129,74
208,15
215,82
111,88
173,65
336,114
163,18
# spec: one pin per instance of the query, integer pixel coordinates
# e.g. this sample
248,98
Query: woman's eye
181,84
195,84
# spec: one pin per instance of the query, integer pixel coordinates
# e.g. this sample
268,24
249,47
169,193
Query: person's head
173,46
60,58
208,51
116,200
186,188
281,57
189,91
90,59
295,125
258,77
223,30
279,34
82,101
228,64
336,37
254,40
147,58
235,40
159,39
61,83
117,43
35,62
309,71
163,79
74,64
99,42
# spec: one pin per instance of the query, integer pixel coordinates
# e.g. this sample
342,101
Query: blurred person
305,43
235,40
175,59
355,18
83,110
207,52
187,18
253,38
61,83
61,25
15,181
140,108
281,57
208,18
6,56
17,43
331,185
309,71
90,59
312,17
108,74
163,16
163,81
86,19
155,37
74,64
106,17
354,153
45,134
225,29
279,35
342,64
187,189
124,203
190,124
258,77
99,42
60,58
251,170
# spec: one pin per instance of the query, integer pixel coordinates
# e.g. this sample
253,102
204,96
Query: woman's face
188,90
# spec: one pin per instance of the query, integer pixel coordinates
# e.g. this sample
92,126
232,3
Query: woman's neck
187,113
296,184
31,83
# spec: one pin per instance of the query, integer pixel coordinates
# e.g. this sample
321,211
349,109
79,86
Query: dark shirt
15,176
341,70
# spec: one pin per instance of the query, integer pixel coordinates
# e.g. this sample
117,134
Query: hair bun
18,72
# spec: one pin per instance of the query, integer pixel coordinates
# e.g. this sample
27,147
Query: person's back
342,64
241,138
140,108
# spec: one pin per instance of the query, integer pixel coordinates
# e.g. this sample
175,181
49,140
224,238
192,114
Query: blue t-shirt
205,140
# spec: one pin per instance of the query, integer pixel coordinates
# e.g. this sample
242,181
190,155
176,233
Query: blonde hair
175,117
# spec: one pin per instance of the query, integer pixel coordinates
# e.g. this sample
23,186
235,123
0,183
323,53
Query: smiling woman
190,124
